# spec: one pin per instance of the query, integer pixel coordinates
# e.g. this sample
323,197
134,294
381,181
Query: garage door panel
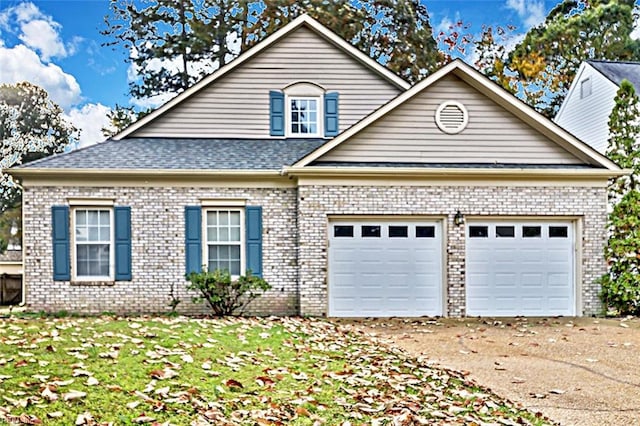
390,276
519,275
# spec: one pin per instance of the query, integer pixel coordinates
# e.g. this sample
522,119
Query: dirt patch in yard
577,371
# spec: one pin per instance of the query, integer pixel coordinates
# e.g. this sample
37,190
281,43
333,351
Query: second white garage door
385,268
520,268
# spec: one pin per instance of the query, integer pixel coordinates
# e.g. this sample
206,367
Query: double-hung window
93,243
304,113
224,234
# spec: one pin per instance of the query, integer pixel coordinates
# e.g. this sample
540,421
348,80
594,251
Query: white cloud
20,63
90,118
531,12
36,30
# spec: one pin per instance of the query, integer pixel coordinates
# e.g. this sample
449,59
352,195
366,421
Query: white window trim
585,88
319,116
74,254
205,235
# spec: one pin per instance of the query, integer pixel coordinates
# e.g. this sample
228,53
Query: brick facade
158,250
317,202
295,266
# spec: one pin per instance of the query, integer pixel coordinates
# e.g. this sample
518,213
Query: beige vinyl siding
409,134
237,105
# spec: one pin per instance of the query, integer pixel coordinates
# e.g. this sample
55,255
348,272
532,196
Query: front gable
496,129
235,103
410,134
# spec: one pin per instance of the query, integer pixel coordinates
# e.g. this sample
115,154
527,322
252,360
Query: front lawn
182,371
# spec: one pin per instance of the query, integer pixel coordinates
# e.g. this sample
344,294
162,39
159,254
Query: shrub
224,295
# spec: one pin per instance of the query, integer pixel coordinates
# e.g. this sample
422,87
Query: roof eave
564,173
140,173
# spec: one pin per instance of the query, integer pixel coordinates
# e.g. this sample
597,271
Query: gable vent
451,117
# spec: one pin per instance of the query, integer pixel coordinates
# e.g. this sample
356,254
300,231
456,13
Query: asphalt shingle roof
183,154
618,71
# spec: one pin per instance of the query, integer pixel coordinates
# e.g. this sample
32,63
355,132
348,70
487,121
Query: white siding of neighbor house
588,118
409,134
237,104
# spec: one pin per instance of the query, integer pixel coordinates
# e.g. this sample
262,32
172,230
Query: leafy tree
174,43
31,127
546,60
621,285
120,118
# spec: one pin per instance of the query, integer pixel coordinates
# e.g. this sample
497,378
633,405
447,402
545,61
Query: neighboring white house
586,109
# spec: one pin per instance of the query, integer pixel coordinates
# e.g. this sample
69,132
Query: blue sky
57,45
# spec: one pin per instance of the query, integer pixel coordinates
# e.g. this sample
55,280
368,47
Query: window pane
94,234
425,231
212,234
92,217
371,231
478,231
235,267
505,231
81,234
398,231
234,218
558,232
105,233
234,252
212,218
343,231
531,231
104,217
234,234
224,218
81,217
223,234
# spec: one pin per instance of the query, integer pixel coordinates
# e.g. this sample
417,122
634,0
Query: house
350,192
586,108
11,277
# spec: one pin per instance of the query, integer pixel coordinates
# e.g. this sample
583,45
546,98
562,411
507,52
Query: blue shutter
331,114
60,236
254,239
193,238
276,109
122,221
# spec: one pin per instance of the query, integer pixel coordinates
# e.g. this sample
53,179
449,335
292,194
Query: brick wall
158,253
317,202
158,240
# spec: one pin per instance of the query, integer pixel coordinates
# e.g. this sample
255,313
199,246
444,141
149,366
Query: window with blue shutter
276,111
193,238
331,114
61,246
253,217
122,222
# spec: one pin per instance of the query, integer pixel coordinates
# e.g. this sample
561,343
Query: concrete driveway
576,371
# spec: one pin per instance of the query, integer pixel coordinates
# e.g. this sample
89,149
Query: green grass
225,371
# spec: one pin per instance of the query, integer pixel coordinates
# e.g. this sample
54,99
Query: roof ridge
607,61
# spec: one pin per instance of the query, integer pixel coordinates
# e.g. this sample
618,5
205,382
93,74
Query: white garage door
520,268
385,268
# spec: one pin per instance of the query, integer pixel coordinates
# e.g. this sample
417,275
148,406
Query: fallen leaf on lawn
92,381
591,360
166,373
48,393
132,405
29,419
557,391
518,380
231,383
79,372
73,395
163,391
537,395
134,325
301,411
187,358
264,381
55,414
62,382
624,325
143,419
84,419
